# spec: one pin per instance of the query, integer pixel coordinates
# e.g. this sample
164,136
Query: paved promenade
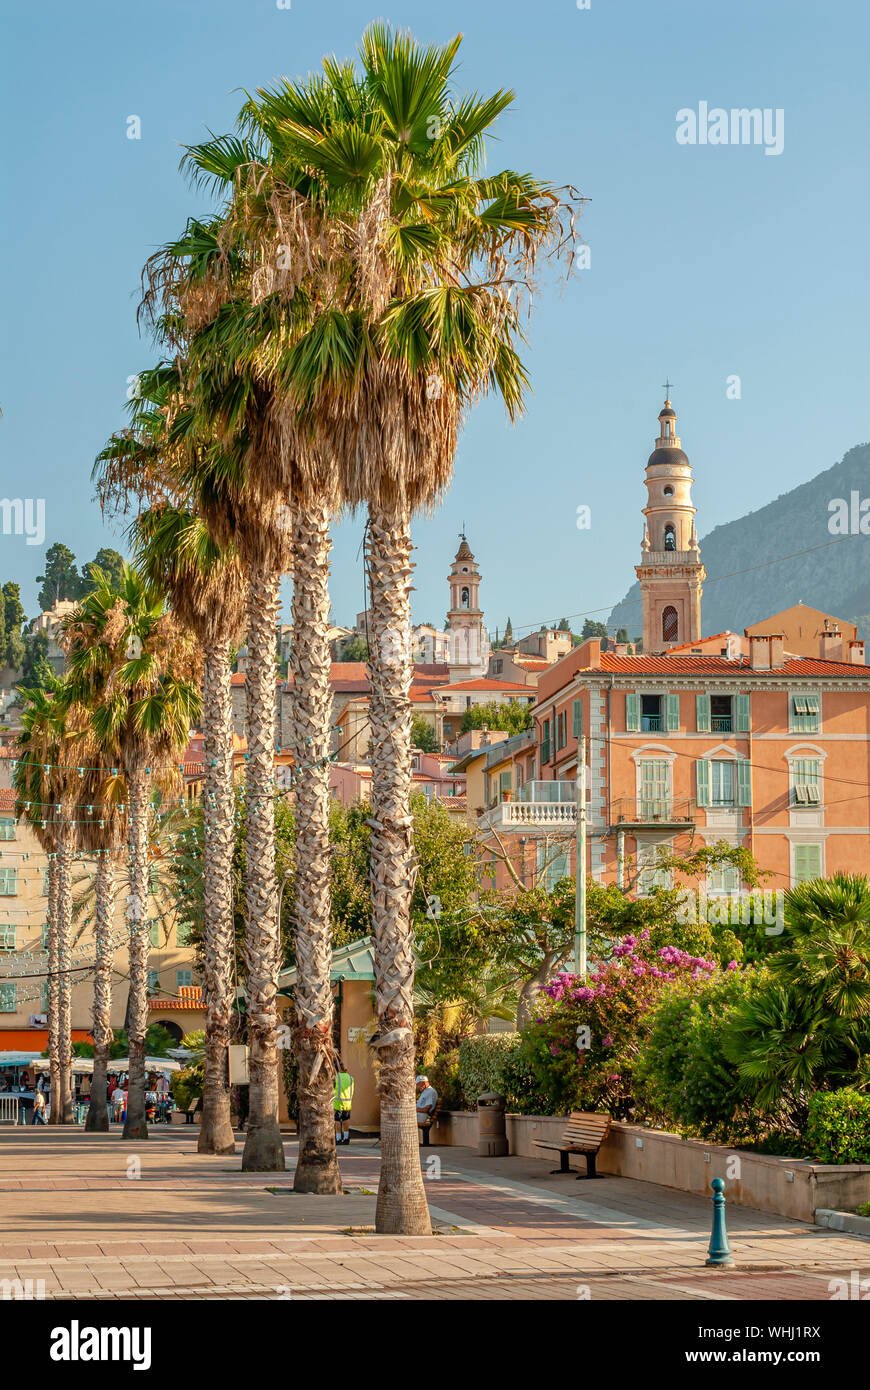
93,1217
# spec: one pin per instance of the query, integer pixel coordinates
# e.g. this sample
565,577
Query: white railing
537,791
9,1108
530,813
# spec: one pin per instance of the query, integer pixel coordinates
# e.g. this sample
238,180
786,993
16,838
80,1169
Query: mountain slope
742,587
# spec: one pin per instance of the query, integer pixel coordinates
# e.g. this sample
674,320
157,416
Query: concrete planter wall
785,1186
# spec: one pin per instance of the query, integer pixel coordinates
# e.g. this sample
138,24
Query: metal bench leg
590,1168
563,1163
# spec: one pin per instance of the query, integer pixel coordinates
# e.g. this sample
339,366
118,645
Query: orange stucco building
759,739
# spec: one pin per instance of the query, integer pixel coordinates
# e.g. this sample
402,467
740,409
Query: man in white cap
427,1099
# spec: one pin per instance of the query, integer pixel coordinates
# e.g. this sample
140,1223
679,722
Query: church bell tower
670,571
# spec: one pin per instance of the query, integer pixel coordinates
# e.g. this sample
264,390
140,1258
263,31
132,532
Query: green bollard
720,1251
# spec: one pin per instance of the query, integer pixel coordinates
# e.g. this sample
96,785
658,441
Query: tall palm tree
206,587
198,447
412,314
137,671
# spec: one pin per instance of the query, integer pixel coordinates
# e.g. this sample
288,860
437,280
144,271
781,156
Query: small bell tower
670,572
469,640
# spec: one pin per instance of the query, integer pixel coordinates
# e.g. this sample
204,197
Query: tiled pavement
93,1217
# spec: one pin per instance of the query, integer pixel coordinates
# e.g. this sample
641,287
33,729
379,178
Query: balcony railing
651,723
722,723
547,791
653,811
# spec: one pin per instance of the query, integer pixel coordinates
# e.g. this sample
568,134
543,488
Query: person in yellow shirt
342,1100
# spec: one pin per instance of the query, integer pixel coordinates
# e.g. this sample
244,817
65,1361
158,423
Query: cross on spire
667,388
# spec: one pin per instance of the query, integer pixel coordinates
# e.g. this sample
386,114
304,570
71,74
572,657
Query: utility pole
580,875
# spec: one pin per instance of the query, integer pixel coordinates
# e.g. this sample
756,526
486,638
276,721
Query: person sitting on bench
427,1099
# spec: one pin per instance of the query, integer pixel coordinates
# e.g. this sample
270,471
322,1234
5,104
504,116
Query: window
654,788
8,1002
504,783
715,786
154,934
721,720
805,782
651,714
7,936
553,865
650,875
153,981
561,730
805,714
45,930
182,933
497,666
183,978
669,491
807,863
7,828
724,878
670,544
45,881
545,742
722,784
8,882
576,718
670,622
464,600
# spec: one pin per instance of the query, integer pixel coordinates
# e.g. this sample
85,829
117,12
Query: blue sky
705,260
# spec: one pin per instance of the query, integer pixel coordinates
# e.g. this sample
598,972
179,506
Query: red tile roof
714,637
189,997
485,683
721,666
7,800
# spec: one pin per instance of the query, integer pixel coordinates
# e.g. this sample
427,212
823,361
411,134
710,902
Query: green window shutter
577,718
744,784
702,713
807,862
545,742
703,775
742,714
504,781
673,714
154,934
632,712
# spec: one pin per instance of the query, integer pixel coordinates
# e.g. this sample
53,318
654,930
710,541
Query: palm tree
206,587
828,955
42,783
196,446
408,318
101,826
136,670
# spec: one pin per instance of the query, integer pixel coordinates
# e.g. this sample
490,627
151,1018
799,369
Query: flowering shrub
581,1048
682,1077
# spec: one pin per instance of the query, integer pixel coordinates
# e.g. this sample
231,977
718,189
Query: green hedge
839,1127
499,1062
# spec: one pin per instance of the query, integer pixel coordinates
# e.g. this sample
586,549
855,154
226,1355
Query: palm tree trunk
264,1150
317,1167
136,1126
98,1109
55,1114
64,962
401,1208
216,1131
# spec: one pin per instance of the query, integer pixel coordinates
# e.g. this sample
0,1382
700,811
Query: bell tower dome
670,572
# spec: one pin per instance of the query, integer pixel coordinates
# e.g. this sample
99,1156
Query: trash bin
491,1133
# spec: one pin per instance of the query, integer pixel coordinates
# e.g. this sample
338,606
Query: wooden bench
431,1118
584,1134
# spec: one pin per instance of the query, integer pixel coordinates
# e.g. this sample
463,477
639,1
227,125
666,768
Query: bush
444,1076
498,1062
582,1047
681,1076
839,1126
